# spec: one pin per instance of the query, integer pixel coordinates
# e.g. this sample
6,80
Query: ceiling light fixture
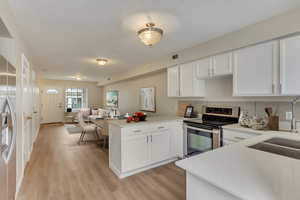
101,61
150,35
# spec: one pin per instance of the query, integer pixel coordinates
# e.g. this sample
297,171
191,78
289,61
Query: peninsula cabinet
135,148
290,66
256,70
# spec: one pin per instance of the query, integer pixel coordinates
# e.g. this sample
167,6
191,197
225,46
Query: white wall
129,93
19,48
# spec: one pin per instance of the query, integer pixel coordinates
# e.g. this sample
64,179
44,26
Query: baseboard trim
129,173
19,184
20,181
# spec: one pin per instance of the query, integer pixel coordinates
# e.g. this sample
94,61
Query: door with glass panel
52,107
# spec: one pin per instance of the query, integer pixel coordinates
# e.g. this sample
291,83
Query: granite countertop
153,119
248,173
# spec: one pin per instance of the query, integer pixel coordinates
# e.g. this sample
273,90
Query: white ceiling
66,36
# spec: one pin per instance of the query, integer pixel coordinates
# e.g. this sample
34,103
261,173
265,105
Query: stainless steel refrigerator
7,130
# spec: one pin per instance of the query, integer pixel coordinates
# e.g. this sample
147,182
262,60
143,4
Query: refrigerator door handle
3,147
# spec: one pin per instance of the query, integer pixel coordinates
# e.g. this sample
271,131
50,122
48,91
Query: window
52,91
76,98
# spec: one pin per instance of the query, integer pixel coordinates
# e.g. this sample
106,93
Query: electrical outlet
288,115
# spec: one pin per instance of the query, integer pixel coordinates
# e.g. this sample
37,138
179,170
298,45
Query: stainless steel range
206,134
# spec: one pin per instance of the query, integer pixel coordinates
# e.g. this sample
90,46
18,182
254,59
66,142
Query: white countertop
149,120
237,127
249,173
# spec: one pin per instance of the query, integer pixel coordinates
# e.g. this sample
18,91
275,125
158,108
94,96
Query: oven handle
199,129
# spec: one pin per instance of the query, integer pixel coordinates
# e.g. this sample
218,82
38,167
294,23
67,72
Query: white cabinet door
222,64
186,80
136,152
204,68
290,66
176,129
254,70
160,146
173,81
190,85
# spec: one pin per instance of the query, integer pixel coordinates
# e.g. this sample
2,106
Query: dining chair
103,125
87,128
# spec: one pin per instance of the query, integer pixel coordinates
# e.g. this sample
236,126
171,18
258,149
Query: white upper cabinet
190,84
204,68
173,81
222,64
290,66
255,70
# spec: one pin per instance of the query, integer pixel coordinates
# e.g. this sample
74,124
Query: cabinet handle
161,127
137,131
147,139
273,87
151,138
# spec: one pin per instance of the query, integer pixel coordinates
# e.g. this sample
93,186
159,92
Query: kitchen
176,108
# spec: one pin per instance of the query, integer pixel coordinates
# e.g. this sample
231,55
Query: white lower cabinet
135,149
136,152
160,145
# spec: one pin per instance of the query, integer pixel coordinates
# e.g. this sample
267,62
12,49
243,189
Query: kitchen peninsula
135,147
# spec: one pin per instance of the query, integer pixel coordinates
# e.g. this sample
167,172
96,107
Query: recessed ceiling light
101,61
150,35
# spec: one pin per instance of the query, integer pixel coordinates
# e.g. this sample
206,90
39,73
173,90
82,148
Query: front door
52,105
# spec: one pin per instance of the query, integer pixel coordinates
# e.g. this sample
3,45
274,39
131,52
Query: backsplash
253,108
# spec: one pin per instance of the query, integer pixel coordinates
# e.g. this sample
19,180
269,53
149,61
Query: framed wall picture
147,99
112,98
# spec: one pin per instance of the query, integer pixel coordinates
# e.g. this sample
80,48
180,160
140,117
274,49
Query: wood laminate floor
59,169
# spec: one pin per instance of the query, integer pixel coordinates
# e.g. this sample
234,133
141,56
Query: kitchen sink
280,146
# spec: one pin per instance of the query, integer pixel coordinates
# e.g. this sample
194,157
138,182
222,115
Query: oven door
198,140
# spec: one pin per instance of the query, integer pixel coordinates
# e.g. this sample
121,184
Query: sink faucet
294,122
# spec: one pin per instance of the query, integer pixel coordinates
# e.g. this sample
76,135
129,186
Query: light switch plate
288,115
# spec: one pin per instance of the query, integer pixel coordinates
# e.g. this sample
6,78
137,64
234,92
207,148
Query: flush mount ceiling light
101,61
150,35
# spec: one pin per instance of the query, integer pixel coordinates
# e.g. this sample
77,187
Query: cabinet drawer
159,127
134,131
237,136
